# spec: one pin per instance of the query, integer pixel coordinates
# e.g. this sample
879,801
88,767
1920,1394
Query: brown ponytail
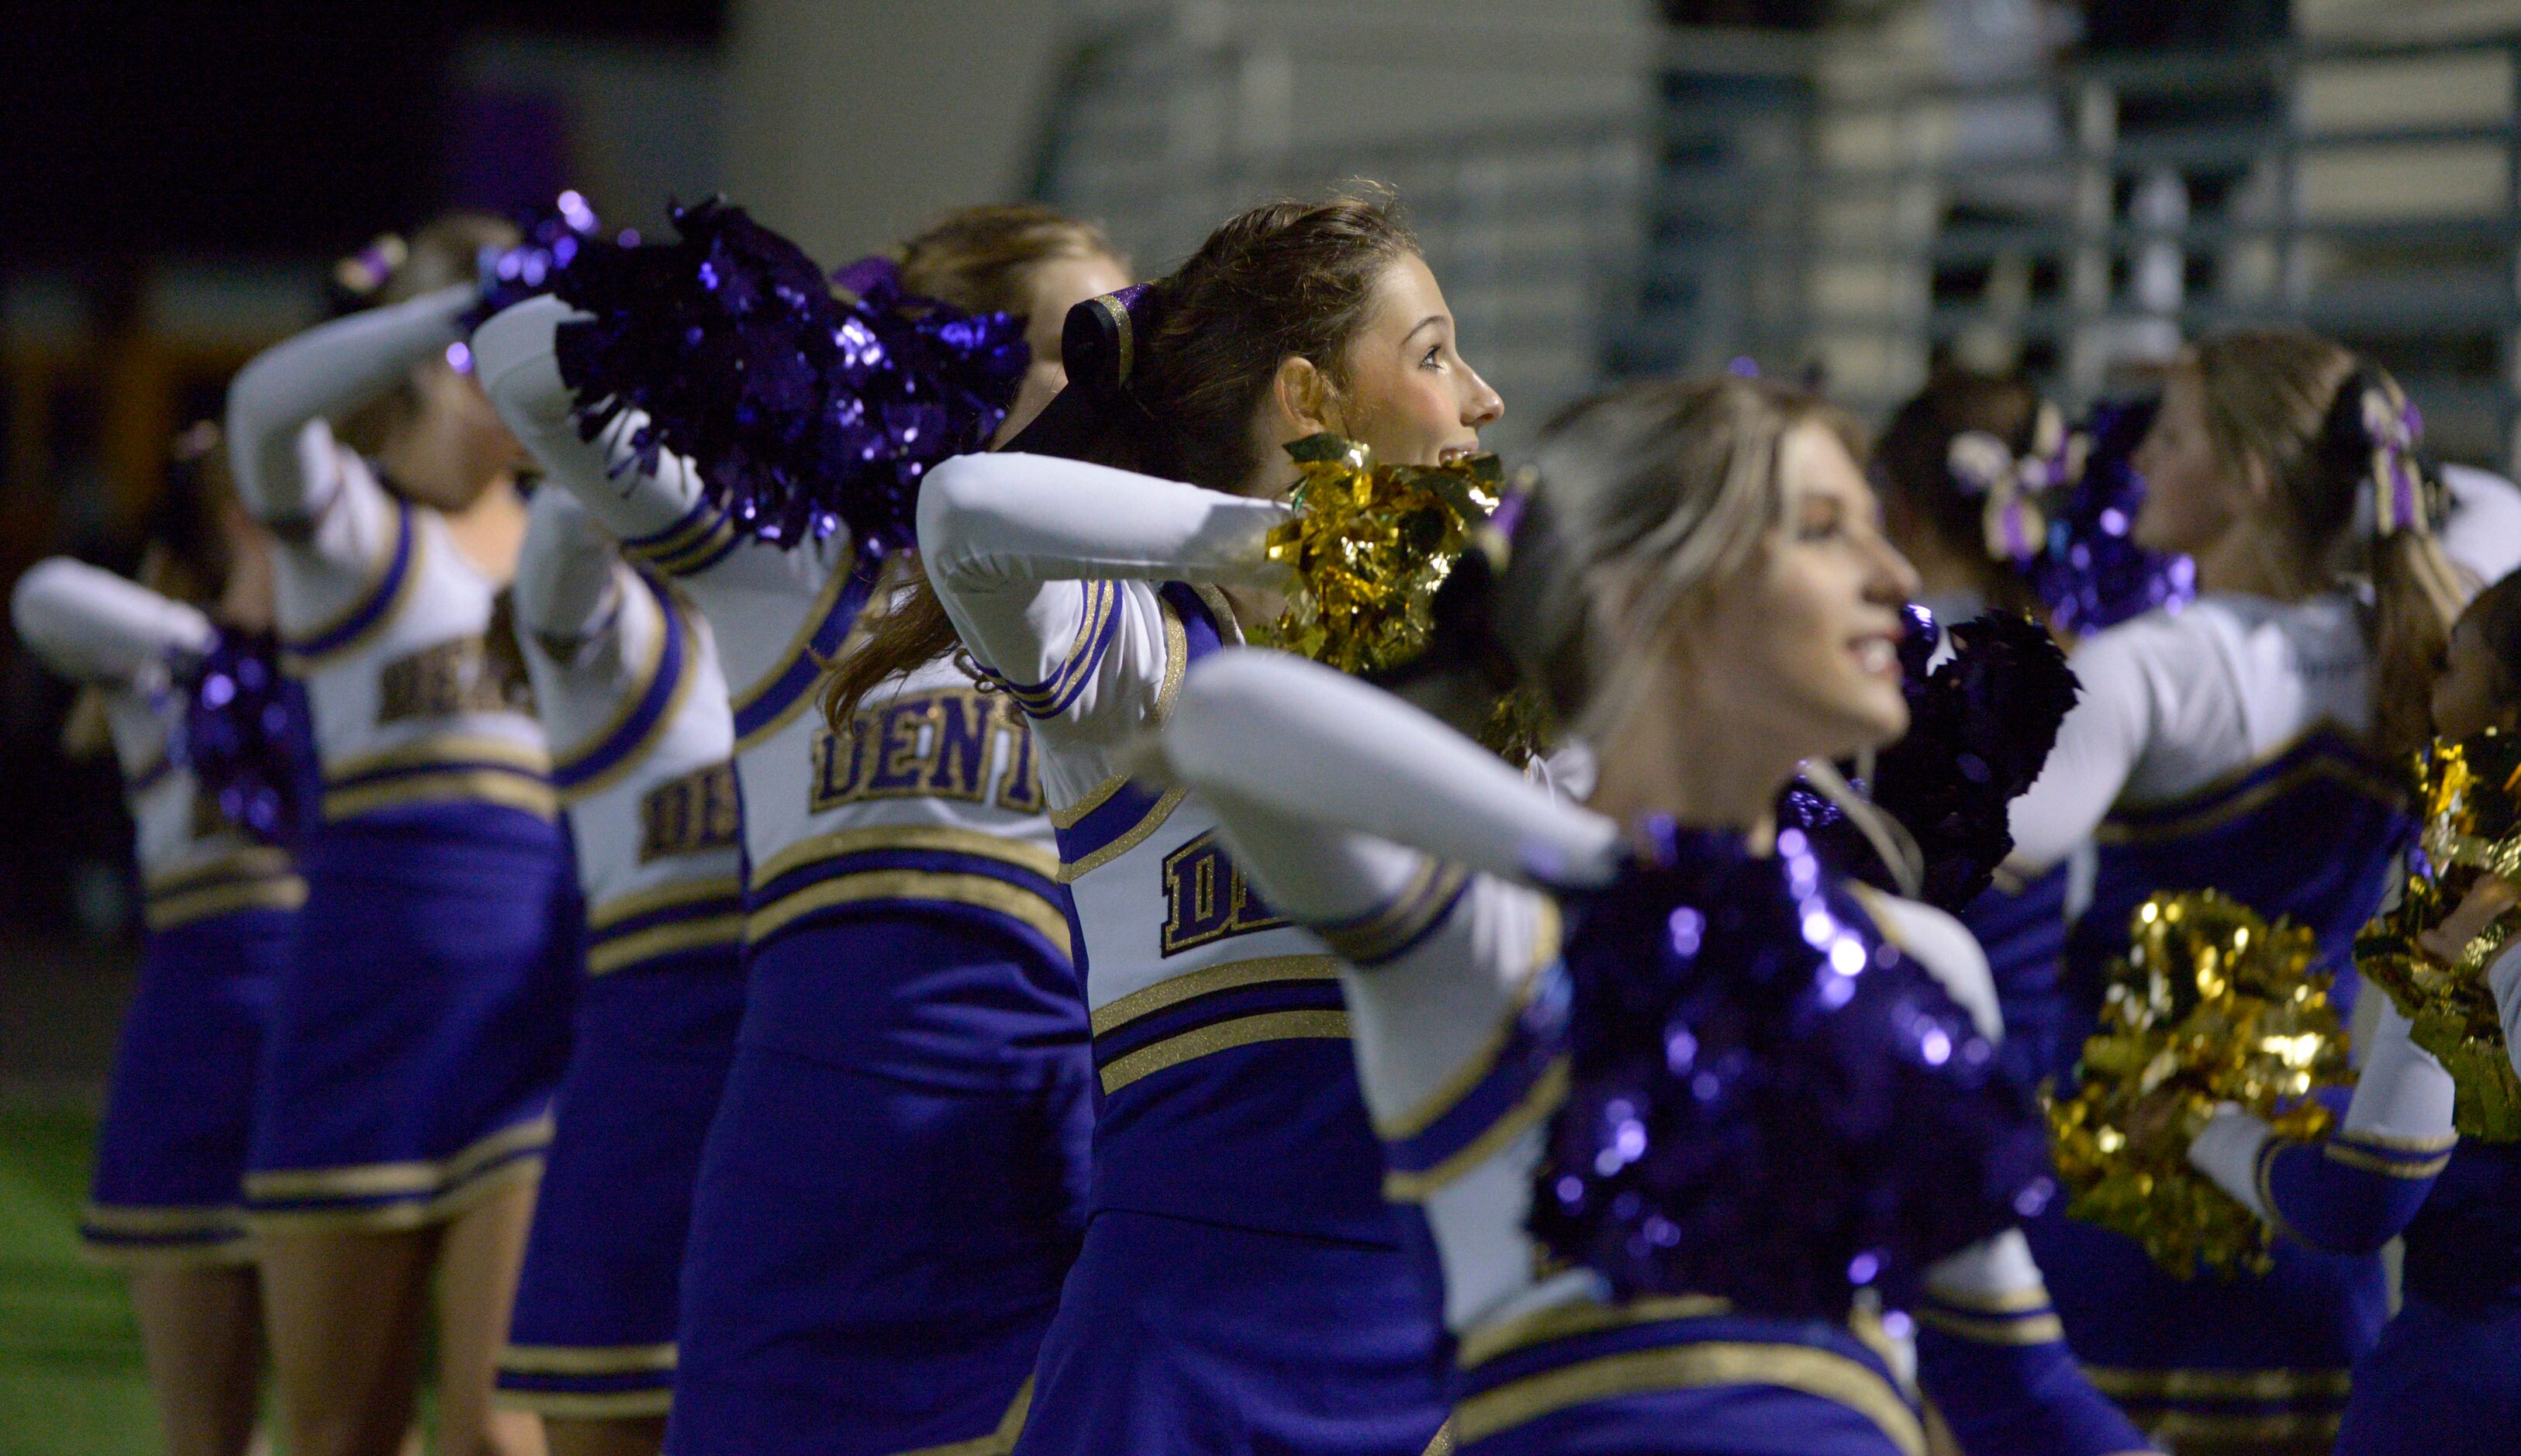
2300,406
1284,280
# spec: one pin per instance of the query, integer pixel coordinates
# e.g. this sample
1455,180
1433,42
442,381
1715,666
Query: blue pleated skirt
874,1259
1174,1336
593,1332
422,1024
2443,1382
170,1156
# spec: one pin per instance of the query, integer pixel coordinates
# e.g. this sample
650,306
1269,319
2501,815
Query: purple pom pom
1770,1103
552,239
245,735
1980,729
805,412
2091,574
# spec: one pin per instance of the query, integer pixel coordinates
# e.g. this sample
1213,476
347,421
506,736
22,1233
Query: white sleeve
288,468
514,358
2098,745
90,624
2503,977
1299,740
567,590
1046,568
2403,1097
1991,1274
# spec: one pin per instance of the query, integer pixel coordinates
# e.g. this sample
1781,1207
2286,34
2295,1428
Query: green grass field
70,1383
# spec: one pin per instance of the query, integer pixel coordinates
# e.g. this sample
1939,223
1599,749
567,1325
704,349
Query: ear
1301,396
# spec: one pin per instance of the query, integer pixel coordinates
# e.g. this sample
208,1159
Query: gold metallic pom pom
2470,795
2210,1005
1369,545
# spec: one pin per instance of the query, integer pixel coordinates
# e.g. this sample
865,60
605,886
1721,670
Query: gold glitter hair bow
2212,1005
1369,544
2471,797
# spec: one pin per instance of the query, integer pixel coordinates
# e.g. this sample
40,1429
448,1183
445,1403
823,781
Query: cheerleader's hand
2226,1149
2486,900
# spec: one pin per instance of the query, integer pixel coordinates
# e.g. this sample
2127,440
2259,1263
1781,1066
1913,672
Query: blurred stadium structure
1603,193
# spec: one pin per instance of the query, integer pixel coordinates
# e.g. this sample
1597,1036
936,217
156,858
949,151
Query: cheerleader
168,1204
2244,744
627,679
1949,467
1696,588
403,1106
889,1196
1242,1285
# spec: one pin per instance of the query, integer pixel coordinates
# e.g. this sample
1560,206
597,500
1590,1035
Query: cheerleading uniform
220,911
892,1191
2442,1380
2484,531
626,680
1446,955
420,1027
2218,748
1243,1285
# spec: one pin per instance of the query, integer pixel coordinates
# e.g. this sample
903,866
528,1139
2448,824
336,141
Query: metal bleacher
1603,197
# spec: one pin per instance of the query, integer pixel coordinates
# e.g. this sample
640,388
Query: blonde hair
1646,498
2292,403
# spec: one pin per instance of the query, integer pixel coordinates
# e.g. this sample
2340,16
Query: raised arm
1993,1358
514,357
288,469
1301,741
2355,1188
90,624
568,590
2097,747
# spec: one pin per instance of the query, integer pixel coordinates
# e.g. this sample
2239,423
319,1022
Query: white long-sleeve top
93,627
938,767
627,681
2174,702
381,614
2484,532
1413,850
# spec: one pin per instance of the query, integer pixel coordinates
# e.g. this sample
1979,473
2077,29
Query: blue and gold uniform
626,680
220,912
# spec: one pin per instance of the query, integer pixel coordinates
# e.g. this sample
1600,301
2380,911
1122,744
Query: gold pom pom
2210,1005
2430,957
1369,545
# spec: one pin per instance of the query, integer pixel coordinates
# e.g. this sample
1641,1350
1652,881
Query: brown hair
2497,610
1912,463
1287,279
2292,402
982,259
446,252
1644,499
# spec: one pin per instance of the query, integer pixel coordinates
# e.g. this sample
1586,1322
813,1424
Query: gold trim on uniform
1548,1091
998,1443
589,1405
920,836
2354,776
629,709
406,518
2039,1328
1695,1366
437,1189
982,892
1222,1036
2027,1301
797,646
2373,1162
655,940
1231,976
1453,1088
255,877
228,1245
1137,833
1582,1317
463,776
2199,1384
580,1360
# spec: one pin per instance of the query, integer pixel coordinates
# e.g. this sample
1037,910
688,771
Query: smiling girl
1242,1284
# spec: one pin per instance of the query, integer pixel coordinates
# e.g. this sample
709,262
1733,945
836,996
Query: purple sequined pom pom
805,412
1769,1103
510,276
2090,574
246,736
1980,728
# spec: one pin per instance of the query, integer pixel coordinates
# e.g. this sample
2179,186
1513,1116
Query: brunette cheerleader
627,679
2245,745
1243,1286
890,1194
220,909
404,1100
